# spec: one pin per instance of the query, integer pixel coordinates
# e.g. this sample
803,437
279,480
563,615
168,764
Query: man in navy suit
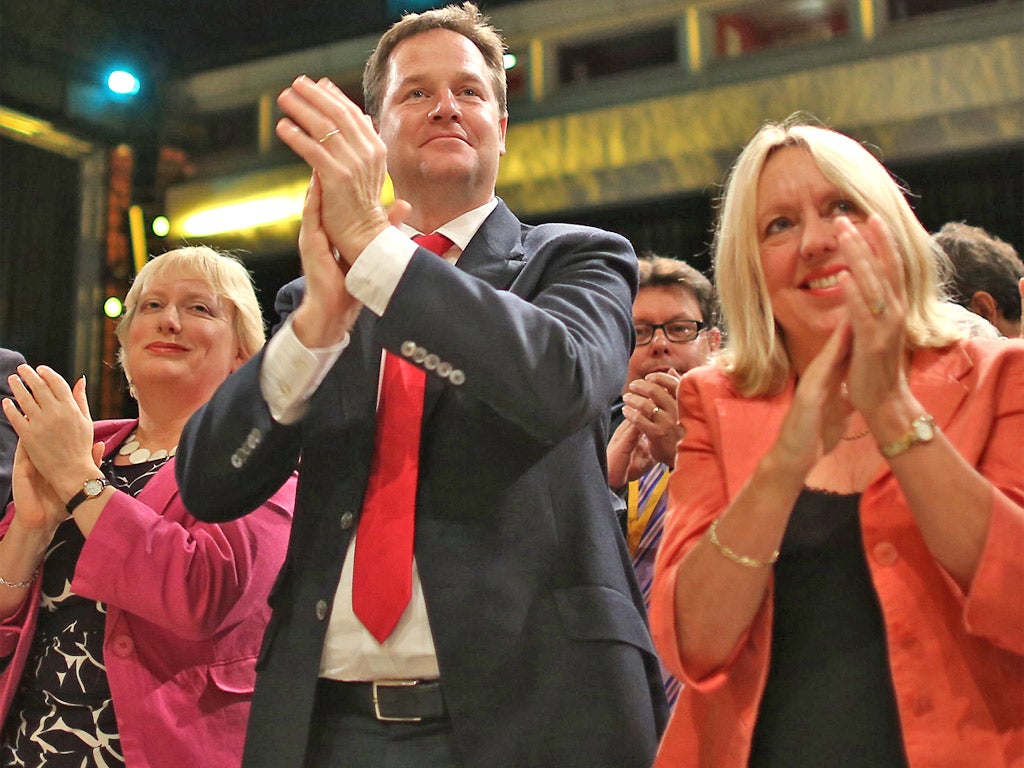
523,641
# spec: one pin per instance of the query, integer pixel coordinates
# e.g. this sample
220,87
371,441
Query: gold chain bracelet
19,584
749,562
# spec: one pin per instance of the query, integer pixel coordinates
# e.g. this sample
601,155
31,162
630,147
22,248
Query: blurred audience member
986,275
973,326
673,315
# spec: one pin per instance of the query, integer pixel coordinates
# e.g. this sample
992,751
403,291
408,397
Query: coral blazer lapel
935,377
742,447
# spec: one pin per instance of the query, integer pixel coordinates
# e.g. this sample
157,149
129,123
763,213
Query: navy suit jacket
9,362
541,637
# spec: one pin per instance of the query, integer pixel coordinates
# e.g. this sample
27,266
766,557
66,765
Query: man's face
658,305
439,117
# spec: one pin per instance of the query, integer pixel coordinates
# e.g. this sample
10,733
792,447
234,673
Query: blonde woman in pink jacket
129,630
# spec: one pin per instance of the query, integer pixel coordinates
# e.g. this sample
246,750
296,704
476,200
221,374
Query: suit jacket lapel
495,254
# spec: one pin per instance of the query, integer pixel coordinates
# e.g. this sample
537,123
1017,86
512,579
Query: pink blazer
187,606
955,657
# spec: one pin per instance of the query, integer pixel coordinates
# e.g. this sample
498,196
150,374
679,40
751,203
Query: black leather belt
390,701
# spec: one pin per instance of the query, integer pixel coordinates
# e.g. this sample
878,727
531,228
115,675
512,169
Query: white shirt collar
462,228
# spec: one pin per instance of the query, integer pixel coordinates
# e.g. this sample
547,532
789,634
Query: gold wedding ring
655,411
329,134
878,308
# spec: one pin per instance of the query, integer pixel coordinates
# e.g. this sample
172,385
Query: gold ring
878,308
655,411
329,134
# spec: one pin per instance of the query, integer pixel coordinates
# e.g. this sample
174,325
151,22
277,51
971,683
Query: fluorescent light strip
244,215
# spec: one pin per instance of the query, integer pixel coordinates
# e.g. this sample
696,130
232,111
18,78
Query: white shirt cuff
290,372
375,274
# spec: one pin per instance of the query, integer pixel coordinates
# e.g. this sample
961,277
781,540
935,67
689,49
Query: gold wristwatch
922,430
90,490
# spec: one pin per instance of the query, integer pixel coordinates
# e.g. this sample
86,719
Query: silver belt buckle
377,684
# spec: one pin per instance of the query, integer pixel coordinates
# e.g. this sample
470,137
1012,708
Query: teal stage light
123,83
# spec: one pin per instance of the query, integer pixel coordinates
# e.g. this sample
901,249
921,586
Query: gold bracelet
737,558
19,584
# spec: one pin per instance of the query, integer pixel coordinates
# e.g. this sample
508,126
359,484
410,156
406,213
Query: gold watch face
923,430
92,487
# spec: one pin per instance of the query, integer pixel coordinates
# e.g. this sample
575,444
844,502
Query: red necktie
382,575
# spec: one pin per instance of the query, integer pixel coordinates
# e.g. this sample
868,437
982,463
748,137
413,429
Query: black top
63,714
829,698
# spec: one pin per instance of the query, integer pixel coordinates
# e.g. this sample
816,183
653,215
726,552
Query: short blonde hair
226,277
755,357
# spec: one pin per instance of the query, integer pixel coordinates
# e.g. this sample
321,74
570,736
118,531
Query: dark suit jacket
9,362
540,632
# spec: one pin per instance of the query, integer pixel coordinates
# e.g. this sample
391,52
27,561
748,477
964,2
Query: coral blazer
186,610
955,657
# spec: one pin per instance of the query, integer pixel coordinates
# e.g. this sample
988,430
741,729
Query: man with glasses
673,316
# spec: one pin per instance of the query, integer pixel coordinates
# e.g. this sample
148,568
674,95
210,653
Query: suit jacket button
254,439
408,347
419,355
456,377
444,369
321,610
236,460
430,362
346,521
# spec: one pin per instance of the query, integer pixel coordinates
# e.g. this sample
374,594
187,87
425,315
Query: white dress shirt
289,376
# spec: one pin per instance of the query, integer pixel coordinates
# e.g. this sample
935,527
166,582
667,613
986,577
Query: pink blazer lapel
162,487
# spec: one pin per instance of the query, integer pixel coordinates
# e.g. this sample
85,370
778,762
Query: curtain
39,222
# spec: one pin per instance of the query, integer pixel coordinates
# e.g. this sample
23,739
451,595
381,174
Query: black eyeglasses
679,331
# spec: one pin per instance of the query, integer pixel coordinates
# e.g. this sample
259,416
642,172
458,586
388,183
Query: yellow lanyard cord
637,519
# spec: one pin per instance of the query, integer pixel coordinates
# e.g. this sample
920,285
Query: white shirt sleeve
375,274
290,373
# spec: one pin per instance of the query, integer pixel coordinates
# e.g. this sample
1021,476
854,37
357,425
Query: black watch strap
90,490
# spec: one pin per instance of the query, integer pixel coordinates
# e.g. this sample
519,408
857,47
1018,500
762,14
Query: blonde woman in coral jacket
842,575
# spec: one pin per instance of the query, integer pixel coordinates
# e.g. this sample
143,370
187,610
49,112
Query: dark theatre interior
627,118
